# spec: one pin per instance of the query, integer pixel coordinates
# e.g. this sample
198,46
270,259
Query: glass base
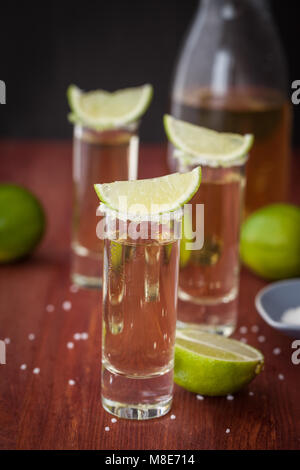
136,397
224,330
86,282
140,412
86,268
213,315
209,301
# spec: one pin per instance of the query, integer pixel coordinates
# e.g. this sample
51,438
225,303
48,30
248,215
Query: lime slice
151,196
199,145
212,365
104,110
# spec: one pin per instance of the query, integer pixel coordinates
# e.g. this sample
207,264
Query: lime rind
186,160
103,110
162,217
188,141
107,193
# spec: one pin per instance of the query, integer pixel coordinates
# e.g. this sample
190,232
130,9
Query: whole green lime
22,222
270,241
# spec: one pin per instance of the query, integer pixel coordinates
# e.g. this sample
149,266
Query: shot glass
140,280
209,277
104,156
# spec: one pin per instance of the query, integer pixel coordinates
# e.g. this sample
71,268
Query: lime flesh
101,109
200,145
151,196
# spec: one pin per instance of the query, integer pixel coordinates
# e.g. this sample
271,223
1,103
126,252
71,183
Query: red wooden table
42,411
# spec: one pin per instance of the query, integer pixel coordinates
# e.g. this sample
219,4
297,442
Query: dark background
107,44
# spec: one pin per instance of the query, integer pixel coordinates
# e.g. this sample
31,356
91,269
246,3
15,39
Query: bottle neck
230,9
239,40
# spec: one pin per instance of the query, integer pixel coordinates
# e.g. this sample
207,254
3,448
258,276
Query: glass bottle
231,76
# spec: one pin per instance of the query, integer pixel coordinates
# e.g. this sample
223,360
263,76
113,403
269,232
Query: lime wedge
104,110
200,145
116,254
186,237
212,365
151,196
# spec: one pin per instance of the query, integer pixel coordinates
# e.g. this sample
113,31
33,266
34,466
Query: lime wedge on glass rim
212,365
199,145
151,196
101,109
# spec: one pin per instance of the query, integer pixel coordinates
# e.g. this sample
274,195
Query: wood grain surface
42,411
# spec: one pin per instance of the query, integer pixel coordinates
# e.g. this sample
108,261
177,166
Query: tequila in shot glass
105,149
209,277
139,314
103,156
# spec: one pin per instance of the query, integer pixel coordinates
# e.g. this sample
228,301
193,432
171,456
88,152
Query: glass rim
175,215
130,126
187,159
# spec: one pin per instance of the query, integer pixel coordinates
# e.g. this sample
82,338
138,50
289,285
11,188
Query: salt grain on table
230,397
67,305
200,397
243,330
261,339
244,340
276,351
106,428
173,417
7,340
72,382
227,431
70,345
77,336
254,329
251,394
23,366
84,336
113,420
50,308
74,289
281,376
36,370
31,336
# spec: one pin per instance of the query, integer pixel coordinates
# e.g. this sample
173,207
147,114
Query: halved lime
200,145
104,110
150,196
212,365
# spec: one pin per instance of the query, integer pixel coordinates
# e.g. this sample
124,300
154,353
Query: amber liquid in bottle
262,112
